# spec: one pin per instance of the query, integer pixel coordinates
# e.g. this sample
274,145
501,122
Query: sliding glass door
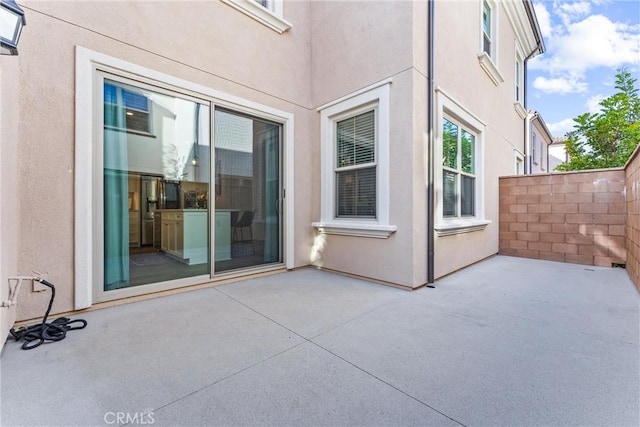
156,173
159,202
248,202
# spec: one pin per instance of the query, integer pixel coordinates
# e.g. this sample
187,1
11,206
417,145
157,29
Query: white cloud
561,128
560,85
592,42
593,103
544,19
569,12
577,42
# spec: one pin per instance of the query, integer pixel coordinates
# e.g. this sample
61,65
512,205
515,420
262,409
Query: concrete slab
476,359
311,301
304,386
507,341
134,358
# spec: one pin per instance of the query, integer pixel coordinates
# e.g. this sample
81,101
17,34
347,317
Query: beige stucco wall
9,202
217,58
356,44
459,74
333,49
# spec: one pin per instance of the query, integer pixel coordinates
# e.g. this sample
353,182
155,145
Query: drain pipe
430,147
527,120
531,14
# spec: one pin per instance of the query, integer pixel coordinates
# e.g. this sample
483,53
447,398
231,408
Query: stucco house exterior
557,152
538,142
146,149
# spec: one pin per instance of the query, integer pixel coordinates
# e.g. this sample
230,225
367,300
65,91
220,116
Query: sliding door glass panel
156,186
248,187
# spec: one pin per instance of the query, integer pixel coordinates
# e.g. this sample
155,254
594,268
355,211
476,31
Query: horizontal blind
355,140
356,193
449,194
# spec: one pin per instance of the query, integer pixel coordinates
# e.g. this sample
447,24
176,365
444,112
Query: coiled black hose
35,335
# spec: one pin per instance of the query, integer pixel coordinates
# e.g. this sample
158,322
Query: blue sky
586,41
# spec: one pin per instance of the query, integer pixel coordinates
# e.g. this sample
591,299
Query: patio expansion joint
310,341
377,378
227,377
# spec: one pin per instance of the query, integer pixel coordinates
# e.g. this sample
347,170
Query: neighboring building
539,139
557,152
145,148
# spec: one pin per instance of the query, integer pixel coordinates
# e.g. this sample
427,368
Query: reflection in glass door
156,173
247,191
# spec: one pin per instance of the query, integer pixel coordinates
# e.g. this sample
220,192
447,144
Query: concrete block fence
632,228
586,217
576,217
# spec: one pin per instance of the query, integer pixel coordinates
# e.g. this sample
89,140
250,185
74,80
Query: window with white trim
355,168
519,78
488,55
355,164
458,170
135,106
268,12
460,141
519,163
487,29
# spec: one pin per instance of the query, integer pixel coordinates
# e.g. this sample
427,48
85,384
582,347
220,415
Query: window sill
449,228
264,16
520,110
357,229
490,68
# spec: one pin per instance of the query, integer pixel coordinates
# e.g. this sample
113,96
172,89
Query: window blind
355,166
356,140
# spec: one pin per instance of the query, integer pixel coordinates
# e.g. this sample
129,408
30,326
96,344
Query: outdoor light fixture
11,23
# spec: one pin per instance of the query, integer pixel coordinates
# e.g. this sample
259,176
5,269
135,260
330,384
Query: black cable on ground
35,335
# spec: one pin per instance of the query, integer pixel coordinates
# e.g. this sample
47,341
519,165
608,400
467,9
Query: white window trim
489,62
447,106
88,122
378,95
271,17
518,101
518,157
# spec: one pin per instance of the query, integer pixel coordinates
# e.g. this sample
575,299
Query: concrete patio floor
508,341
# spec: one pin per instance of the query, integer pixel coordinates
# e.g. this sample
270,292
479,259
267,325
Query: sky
586,42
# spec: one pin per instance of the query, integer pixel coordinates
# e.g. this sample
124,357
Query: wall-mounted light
11,22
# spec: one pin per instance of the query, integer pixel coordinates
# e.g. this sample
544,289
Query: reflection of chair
245,221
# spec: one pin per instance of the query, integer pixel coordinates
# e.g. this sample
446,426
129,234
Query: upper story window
519,79
268,12
135,104
487,28
488,56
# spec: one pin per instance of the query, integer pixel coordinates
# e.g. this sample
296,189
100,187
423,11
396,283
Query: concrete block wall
632,170
576,217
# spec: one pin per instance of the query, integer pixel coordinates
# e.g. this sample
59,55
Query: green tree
606,139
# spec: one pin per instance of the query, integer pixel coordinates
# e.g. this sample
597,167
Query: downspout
527,157
528,6
430,147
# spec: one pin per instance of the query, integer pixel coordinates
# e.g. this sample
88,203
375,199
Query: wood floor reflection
150,265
